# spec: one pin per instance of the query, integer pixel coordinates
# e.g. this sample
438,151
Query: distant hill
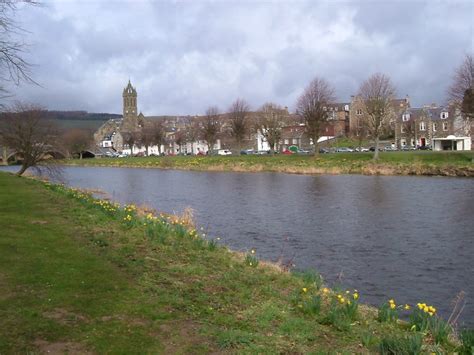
81,119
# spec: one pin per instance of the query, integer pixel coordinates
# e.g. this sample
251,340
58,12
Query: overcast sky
183,56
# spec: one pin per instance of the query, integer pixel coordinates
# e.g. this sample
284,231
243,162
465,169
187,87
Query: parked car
323,151
344,150
302,151
372,149
424,147
224,152
247,152
362,149
263,152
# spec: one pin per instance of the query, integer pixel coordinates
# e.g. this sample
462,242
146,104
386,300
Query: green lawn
390,163
78,274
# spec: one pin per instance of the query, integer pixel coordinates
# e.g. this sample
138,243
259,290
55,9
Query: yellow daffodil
407,307
355,295
325,290
305,289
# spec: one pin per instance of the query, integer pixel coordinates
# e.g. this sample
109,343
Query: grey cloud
185,56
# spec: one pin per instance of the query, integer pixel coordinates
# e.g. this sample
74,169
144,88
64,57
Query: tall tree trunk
80,155
316,146
376,153
5,156
22,170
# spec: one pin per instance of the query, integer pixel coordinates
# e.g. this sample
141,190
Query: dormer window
444,115
346,108
405,117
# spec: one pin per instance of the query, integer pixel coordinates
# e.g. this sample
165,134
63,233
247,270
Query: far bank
390,163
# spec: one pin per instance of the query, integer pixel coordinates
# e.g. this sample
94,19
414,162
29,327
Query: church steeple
129,101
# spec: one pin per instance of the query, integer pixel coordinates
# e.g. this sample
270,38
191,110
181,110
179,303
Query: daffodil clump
420,317
157,227
251,259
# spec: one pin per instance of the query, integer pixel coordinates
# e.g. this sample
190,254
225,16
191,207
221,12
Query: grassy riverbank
79,274
391,163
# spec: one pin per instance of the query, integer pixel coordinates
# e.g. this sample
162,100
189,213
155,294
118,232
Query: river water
402,237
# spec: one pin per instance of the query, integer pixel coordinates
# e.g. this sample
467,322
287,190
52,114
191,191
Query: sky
184,56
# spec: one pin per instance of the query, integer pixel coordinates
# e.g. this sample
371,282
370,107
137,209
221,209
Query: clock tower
130,116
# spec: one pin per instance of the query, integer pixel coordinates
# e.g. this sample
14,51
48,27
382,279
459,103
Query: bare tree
467,106
377,93
13,68
180,139
193,131
238,113
409,127
130,138
145,136
463,80
211,127
312,108
77,141
158,134
27,131
270,122
360,130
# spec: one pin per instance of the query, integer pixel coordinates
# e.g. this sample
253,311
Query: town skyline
185,57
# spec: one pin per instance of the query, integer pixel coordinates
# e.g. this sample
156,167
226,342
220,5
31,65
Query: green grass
77,274
390,163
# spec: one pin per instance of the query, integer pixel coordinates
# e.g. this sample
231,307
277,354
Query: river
402,237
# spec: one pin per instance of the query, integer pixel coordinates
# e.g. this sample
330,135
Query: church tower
130,117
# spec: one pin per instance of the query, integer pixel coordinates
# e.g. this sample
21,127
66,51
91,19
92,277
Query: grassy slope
76,278
391,163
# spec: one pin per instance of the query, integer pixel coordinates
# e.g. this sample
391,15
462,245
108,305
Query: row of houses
441,128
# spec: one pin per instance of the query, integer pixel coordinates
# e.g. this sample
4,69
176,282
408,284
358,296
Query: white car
224,152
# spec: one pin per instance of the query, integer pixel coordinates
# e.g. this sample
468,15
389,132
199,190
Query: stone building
418,127
357,116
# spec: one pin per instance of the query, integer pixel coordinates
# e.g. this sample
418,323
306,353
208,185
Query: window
422,126
359,112
444,115
295,141
445,126
346,107
402,129
287,141
435,127
405,117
